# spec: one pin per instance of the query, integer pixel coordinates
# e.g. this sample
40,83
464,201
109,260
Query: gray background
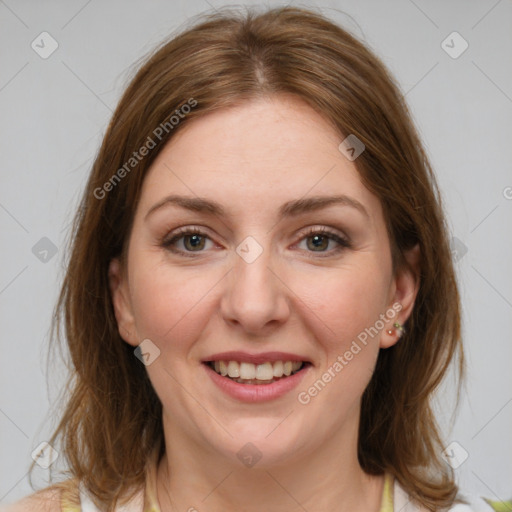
55,111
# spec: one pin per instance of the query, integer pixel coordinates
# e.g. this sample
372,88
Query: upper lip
262,357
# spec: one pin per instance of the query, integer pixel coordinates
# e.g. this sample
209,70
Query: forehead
261,152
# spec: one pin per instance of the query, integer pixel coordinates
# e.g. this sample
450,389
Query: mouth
267,372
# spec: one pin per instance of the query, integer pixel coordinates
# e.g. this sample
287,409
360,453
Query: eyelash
324,232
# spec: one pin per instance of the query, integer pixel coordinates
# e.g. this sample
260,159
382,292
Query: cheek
343,302
173,305
343,311
169,303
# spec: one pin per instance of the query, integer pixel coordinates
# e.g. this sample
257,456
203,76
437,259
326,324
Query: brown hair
112,418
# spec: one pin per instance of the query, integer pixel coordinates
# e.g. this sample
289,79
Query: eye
194,240
320,239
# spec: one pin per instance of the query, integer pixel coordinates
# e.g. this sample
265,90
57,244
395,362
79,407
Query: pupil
318,238
195,240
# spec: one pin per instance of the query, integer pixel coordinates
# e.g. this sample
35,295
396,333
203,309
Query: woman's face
259,279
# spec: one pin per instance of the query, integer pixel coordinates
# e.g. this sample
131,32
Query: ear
119,291
404,290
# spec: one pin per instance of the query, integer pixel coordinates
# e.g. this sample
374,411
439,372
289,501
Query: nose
256,298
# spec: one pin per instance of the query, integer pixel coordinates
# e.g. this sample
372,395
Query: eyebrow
288,209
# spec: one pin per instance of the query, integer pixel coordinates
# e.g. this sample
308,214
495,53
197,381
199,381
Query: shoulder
43,501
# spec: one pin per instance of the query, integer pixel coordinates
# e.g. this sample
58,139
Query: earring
400,328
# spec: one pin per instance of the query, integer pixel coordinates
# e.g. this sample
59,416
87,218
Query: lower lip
256,392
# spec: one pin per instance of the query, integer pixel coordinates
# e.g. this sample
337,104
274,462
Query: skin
294,297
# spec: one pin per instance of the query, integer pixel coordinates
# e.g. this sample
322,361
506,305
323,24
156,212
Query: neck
327,478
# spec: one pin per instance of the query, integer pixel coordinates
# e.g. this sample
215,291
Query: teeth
264,373
247,370
233,369
278,369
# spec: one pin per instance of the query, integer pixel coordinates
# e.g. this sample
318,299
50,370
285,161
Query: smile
261,386
249,373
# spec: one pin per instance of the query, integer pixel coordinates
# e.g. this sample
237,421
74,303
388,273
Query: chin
258,443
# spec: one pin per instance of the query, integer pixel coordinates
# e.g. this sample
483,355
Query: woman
260,300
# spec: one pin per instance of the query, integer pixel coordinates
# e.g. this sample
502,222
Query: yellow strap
69,507
386,505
